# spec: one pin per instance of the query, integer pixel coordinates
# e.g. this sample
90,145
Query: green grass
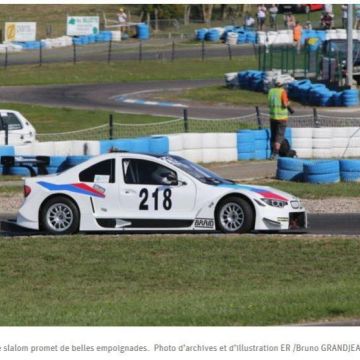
219,95
10,189
122,71
318,191
177,280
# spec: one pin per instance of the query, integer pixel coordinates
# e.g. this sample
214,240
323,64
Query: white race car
123,191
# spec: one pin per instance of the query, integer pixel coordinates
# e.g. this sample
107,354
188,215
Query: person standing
357,16
122,17
278,108
273,15
344,15
297,32
290,21
261,16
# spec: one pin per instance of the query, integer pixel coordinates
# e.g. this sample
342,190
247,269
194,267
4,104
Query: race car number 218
166,203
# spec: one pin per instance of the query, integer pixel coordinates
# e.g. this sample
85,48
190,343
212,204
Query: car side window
12,121
102,172
144,172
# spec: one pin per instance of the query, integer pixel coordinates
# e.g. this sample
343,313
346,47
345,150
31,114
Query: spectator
297,36
273,14
326,21
328,8
122,17
290,21
278,108
357,16
249,21
344,15
261,17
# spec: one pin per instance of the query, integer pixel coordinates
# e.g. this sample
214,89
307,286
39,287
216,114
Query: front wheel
234,215
60,216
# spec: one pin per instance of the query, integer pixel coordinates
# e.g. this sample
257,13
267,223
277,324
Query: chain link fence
254,120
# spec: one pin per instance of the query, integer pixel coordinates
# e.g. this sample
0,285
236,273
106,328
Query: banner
20,31
82,25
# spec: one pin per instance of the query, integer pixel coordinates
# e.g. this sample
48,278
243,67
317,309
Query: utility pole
349,59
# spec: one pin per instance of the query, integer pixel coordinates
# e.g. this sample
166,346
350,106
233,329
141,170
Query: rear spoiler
29,162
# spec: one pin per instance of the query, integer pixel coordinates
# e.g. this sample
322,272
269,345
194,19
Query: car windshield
198,172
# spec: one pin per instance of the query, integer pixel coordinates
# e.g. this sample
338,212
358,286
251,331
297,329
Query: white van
20,131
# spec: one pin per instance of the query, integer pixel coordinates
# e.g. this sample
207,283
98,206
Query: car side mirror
170,178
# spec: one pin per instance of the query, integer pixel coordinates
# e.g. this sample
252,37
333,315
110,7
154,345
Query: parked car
20,130
337,49
300,8
122,191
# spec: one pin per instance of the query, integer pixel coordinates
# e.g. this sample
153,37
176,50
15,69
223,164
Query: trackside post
111,126
186,121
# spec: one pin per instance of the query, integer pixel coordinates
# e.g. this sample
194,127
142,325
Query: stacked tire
262,144
302,142
350,97
322,172
246,145
350,170
322,143
290,169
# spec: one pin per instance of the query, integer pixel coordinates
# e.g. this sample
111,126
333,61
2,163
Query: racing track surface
319,224
102,96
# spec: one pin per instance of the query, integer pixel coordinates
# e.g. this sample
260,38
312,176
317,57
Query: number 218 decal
165,203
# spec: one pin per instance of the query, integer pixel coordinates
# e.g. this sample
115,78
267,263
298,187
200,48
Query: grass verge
124,71
177,280
315,191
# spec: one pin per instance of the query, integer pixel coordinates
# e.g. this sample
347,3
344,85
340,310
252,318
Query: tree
207,10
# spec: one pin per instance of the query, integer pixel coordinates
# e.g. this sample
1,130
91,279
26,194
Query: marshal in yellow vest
277,111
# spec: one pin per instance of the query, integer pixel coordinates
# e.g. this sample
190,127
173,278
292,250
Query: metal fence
286,58
254,120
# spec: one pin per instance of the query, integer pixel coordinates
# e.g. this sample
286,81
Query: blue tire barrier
322,178
76,160
246,156
140,145
106,146
262,134
159,145
7,150
246,147
289,175
122,144
57,161
16,170
245,136
261,154
54,169
261,145
350,165
350,176
290,164
322,167
200,34
142,31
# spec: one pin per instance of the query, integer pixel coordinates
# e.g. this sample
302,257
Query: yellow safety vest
277,111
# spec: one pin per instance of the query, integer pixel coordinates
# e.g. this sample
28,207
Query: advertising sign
82,25
20,31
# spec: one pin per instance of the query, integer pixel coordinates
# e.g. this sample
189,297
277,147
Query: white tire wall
192,141
92,148
62,148
77,147
24,149
227,140
225,155
43,148
210,141
210,155
194,155
176,142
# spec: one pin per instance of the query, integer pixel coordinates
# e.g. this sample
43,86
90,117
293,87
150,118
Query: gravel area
11,202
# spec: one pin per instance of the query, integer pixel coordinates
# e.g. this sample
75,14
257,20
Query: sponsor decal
78,188
99,188
283,219
266,193
204,223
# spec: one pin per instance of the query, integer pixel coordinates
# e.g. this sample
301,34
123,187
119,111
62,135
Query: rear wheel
234,215
60,216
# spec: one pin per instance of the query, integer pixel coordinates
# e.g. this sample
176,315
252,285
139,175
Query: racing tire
234,215
60,216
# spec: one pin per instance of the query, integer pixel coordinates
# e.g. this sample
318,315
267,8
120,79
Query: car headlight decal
275,202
